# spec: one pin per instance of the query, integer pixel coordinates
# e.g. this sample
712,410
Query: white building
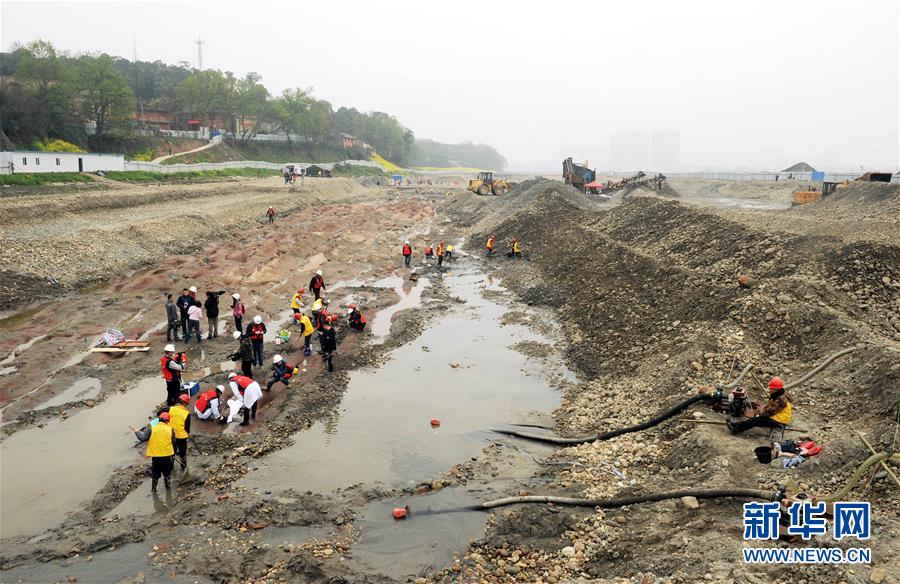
21,162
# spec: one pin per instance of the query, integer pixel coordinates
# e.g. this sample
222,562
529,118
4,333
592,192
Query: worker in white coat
248,392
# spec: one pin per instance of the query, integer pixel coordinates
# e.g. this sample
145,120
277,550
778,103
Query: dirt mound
860,200
647,298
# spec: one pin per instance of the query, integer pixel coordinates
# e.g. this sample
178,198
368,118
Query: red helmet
776,383
164,416
300,291
185,398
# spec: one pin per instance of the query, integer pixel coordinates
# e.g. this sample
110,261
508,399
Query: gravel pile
648,299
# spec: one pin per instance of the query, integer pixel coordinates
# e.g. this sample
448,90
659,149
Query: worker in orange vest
440,254
172,366
407,253
490,246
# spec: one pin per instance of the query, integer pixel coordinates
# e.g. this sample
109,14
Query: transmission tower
200,43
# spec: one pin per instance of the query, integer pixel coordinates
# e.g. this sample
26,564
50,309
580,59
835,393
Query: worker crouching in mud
247,392
328,339
355,318
161,450
775,414
180,420
207,405
282,372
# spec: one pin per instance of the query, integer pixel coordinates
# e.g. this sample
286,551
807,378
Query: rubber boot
182,460
246,421
153,485
168,483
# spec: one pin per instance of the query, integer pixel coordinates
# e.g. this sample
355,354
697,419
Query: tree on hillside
40,64
106,100
250,106
40,102
206,92
298,112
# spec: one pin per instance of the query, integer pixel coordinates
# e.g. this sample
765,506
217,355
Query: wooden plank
119,349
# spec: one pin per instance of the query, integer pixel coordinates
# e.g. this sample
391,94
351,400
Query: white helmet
406,242
236,334
236,296
232,375
170,348
220,388
277,359
192,289
318,272
257,319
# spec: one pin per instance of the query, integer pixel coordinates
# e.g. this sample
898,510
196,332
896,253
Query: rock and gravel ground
642,298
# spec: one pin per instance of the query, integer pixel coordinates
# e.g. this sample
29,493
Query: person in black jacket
212,312
244,354
184,302
329,343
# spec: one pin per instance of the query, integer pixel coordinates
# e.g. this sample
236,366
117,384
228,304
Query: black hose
671,412
614,502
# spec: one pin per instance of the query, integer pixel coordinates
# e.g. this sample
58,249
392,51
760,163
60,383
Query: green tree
250,106
204,93
106,100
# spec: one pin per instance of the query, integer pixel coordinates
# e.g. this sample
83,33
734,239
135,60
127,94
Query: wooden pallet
123,347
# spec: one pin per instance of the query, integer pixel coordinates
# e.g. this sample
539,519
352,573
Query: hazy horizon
750,85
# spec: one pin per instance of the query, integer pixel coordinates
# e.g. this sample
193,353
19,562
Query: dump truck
486,184
577,175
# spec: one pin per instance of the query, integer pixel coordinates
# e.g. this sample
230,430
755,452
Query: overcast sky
746,83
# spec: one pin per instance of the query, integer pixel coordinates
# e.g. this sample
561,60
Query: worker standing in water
297,301
489,246
328,341
317,284
244,354
172,366
407,253
161,450
180,420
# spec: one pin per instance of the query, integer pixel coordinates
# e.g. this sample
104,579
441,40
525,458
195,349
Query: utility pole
200,43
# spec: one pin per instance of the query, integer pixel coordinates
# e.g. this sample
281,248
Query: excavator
486,184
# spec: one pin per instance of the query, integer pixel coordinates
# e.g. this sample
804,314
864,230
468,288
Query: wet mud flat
418,365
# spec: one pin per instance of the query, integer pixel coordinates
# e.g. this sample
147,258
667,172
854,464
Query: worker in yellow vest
180,417
161,450
297,301
777,412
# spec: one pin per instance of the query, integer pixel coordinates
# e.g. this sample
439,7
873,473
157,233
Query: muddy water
85,388
128,563
69,460
460,371
410,297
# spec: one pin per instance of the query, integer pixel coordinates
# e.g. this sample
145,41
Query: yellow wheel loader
486,184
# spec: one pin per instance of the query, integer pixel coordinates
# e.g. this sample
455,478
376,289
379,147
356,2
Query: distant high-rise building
665,150
629,151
